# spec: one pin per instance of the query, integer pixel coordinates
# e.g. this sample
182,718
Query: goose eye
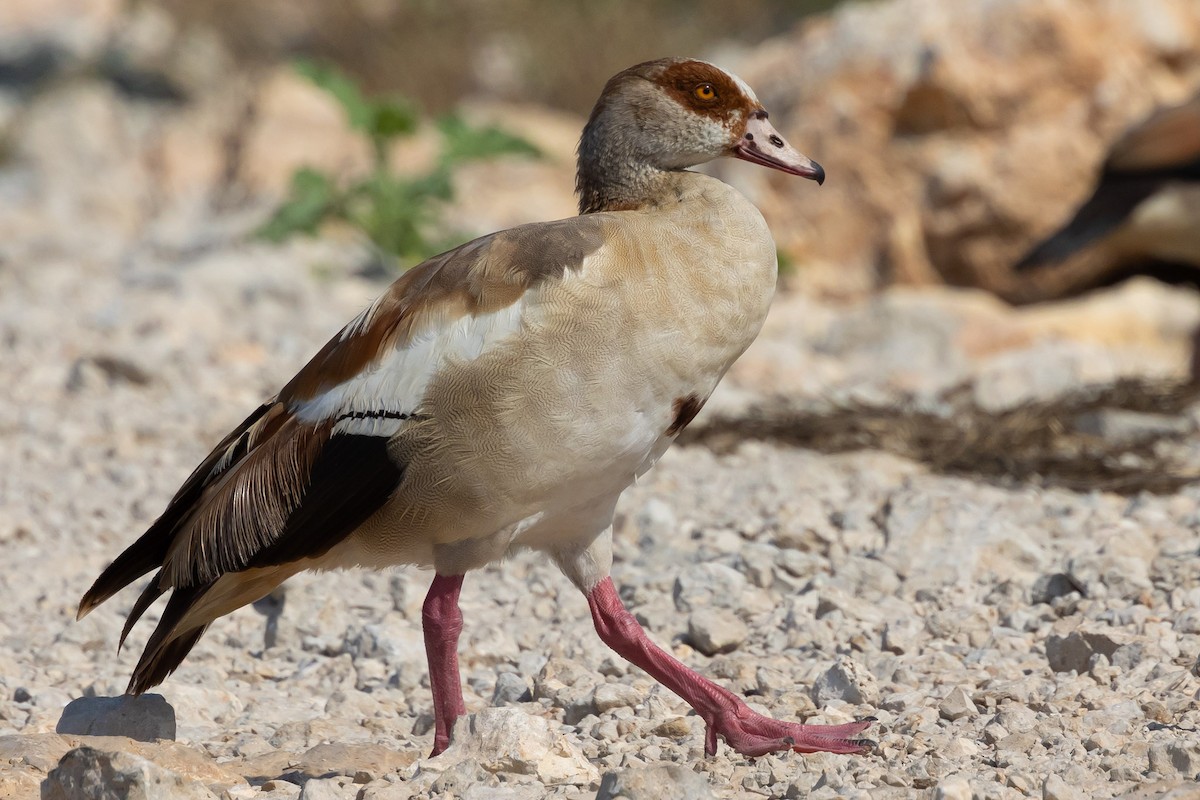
705,92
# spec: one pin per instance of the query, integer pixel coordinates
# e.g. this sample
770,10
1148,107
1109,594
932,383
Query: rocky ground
978,524
1012,636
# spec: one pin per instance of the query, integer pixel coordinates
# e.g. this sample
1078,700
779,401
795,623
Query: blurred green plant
786,265
399,213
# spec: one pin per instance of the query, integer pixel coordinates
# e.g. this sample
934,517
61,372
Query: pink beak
762,144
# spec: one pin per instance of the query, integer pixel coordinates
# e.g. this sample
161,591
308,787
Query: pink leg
726,714
442,622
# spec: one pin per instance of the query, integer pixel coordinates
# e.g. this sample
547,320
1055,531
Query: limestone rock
928,157
716,630
848,682
567,685
510,688
957,704
144,718
1165,790
1055,788
368,760
1074,651
615,695
1175,759
97,775
654,783
510,740
341,788
708,585
40,750
956,788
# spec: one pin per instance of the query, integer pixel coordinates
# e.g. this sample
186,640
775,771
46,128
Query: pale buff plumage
559,417
502,396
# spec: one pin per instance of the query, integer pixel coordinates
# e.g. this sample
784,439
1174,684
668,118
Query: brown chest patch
686,409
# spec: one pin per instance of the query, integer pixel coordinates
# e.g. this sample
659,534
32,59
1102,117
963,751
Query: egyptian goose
501,396
1146,204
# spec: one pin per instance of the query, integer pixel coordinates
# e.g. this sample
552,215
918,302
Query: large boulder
955,135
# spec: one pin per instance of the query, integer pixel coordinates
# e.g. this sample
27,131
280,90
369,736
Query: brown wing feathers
333,484
1166,142
279,490
1163,149
150,550
246,508
1108,207
167,647
352,477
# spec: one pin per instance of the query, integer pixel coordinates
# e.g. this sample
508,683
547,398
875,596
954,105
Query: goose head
667,115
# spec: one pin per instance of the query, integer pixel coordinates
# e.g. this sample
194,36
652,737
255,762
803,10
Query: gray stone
1055,788
708,585
1075,650
716,630
902,636
348,760
89,774
615,695
510,688
1049,587
655,522
510,740
1127,656
848,682
145,718
957,704
341,788
656,782
567,685
1120,566
1175,759
378,790
956,788
459,778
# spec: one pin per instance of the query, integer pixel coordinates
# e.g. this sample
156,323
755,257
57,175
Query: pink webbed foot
725,714
752,734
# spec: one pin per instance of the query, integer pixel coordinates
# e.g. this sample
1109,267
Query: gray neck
613,174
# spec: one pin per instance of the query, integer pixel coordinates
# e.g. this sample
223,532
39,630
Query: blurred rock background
922,481
955,136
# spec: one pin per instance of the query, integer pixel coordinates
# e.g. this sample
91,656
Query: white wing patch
378,401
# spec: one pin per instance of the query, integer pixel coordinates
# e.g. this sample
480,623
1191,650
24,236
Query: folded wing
308,468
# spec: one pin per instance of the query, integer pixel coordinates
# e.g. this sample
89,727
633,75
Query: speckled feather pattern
499,396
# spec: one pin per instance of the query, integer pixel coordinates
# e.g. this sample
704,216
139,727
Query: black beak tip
818,173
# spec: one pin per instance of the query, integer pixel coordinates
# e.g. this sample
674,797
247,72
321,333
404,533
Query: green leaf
463,142
312,197
359,111
401,215
378,119
393,117
394,213
435,185
786,264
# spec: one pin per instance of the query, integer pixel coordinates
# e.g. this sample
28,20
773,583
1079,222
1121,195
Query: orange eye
705,92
